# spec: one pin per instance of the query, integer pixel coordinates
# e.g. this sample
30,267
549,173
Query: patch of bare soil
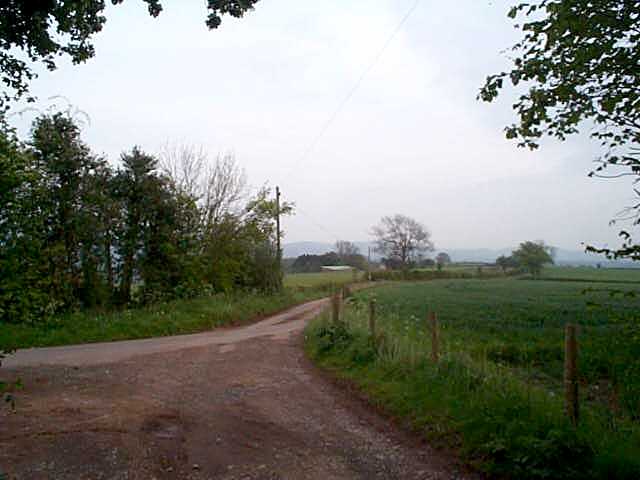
249,407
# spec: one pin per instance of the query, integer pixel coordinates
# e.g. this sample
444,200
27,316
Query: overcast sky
412,139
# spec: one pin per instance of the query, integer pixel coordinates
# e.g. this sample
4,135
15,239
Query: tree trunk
109,263
127,277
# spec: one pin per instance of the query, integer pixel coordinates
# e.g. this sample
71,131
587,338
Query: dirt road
239,403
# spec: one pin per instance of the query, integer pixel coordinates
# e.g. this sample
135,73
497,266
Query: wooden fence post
435,337
372,317
346,291
572,403
336,304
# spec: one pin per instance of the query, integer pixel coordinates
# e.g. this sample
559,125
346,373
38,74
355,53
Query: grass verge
162,319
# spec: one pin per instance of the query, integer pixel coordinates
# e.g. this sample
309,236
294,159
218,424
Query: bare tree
217,187
225,185
346,249
185,165
401,238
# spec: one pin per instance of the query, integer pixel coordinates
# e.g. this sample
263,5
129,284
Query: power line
343,103
355,87
316,224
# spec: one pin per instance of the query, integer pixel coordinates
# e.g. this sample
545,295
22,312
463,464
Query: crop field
519,322
497,391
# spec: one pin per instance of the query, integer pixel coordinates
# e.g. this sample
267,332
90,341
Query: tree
185,165
72,226
345,248
426,262
57,218
401,238
313,263
224,187
392,263
505,263
138,189
442,259
74,232
24,275
234,235
577,63
99,220
349,254
532,256
43,31
218,188
259,223
54,222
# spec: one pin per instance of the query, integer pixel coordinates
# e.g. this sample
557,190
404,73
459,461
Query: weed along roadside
523,378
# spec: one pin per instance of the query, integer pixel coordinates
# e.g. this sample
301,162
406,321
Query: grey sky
412,139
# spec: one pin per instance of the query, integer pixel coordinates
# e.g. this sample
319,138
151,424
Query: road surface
235,403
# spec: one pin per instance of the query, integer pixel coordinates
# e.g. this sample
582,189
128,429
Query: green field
631,275
519,322
314,280
467,268
497,391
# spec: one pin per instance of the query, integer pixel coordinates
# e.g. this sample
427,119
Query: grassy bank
171,318
496,394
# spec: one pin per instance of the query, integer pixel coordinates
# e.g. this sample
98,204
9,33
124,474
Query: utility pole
279,252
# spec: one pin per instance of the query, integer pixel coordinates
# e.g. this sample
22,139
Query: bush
333,337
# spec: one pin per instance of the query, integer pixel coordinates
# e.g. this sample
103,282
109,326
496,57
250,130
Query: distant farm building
337,268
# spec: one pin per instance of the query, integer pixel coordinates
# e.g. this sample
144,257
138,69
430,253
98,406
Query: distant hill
563,256
296,249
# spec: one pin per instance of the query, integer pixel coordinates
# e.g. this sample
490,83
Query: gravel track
236,403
